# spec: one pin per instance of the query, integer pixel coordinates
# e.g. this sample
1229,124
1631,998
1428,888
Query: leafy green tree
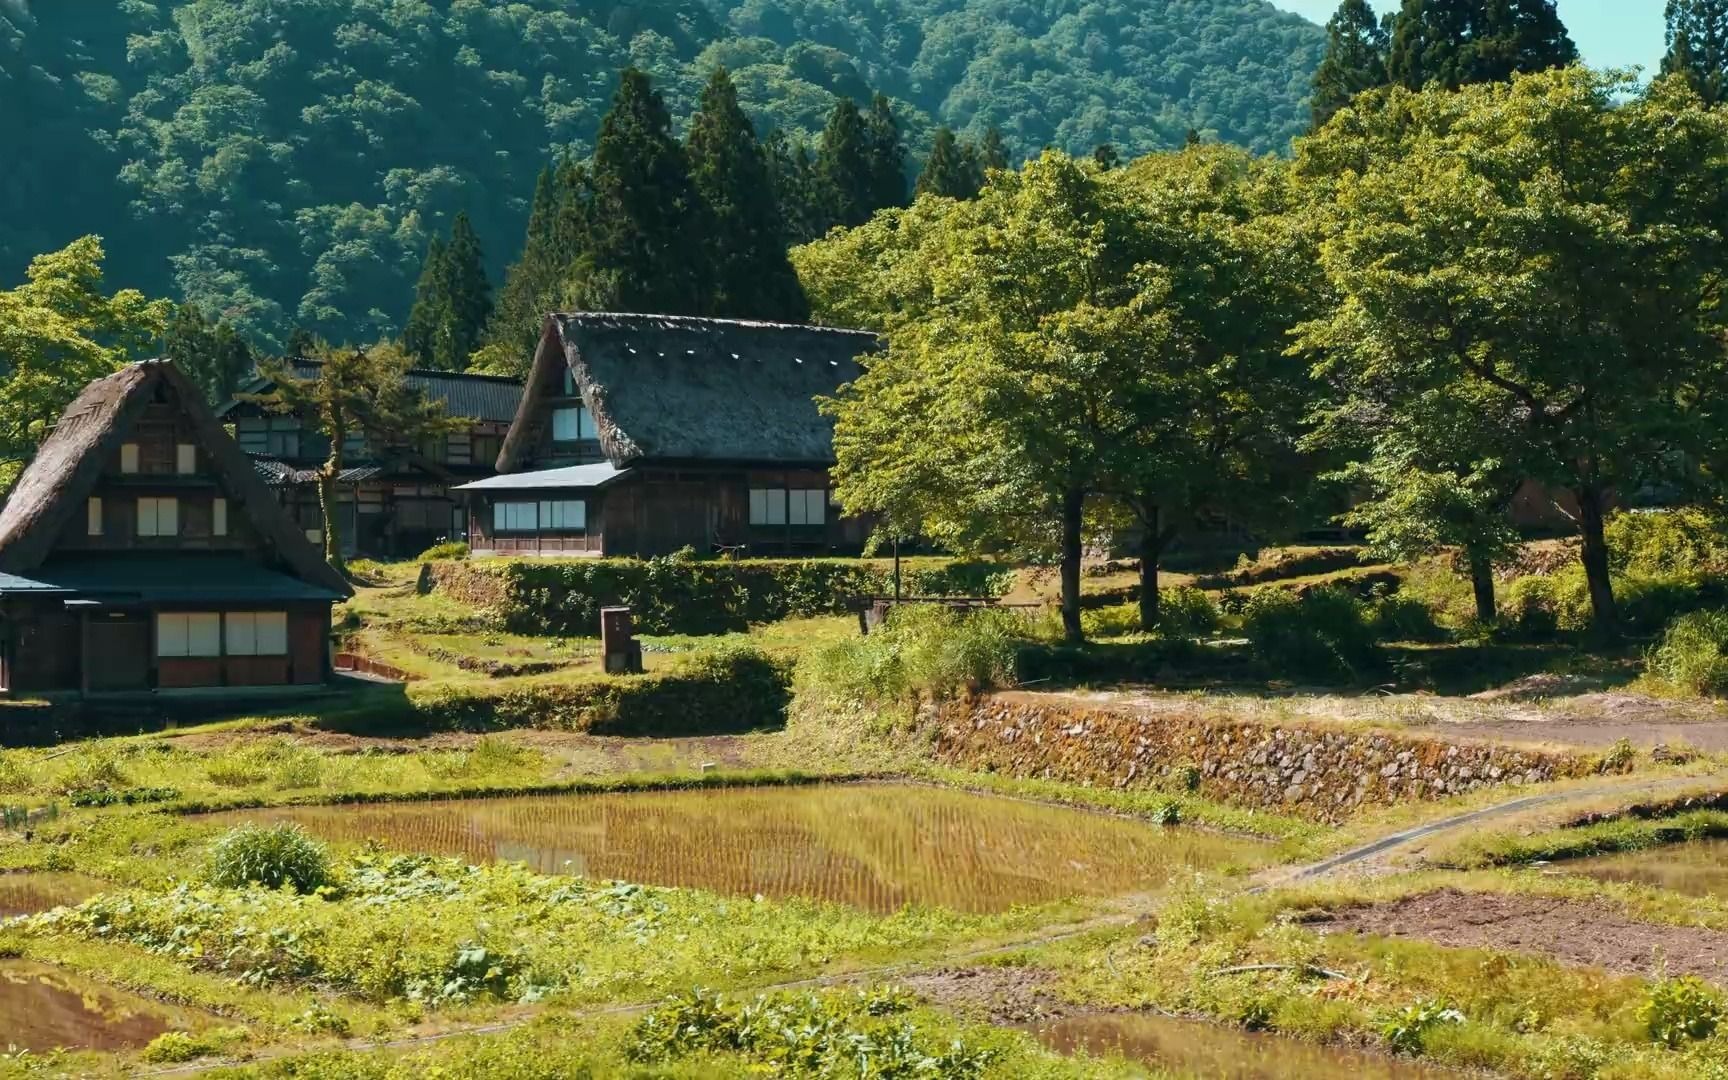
1495,249
212,354
1355,59
644,251
59,331
361,391
950,171
745,241
1459,42
1698,46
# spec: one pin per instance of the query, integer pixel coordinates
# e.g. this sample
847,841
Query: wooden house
395,500
141,551
644,434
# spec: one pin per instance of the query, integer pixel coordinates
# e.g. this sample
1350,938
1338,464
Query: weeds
272,856
922,651
1681,1010
1693,653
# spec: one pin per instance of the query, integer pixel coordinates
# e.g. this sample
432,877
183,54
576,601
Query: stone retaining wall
1316,772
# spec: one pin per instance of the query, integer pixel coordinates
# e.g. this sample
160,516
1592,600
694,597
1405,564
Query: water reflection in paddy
1696,868
26,894
875,846
1206,1050
43,1008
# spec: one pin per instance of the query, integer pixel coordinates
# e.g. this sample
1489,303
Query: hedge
680,594
720,692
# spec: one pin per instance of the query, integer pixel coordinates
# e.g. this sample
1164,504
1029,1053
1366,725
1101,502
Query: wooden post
83,653
896,568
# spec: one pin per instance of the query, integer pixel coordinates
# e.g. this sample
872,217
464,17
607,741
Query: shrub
1693,653
268,855
1687,541
1407,1029
1186,613
1119,620
1323,634
731,689
922,650
682,594
14,775
97,767
448,550
1537,606
1403,618
1681,1010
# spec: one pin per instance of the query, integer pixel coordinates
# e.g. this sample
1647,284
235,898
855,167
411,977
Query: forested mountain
284,163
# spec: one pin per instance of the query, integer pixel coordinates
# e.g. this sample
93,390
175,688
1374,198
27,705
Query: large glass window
572,423
563,515
257,633
798,506
158,517
188,633
515,517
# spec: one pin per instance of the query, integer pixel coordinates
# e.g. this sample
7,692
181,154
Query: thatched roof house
139,522
710,427
395,500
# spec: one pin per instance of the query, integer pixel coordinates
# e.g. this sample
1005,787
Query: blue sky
1609,33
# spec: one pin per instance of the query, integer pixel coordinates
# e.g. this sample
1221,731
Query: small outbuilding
643,434
140,551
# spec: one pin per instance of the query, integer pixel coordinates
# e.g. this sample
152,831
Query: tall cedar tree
541,281
887,156
644,251
1355,59
212,354
993,152
1698,46
844,168
431,303
355,391
745,240
469,297
952,170
1459,42
797,188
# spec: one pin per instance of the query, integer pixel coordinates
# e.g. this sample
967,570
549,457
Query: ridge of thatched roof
467,394
682,388
67,466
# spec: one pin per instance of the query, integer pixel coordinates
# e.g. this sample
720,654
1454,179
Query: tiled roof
596,475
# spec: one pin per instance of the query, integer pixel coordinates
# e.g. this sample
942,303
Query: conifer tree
469,296
952,170
1355,59
1107,157
1457,42
516,319
452,301
844,169
745,240
644,251
887,156
1698,46
212,354
431,310
797,189
993,152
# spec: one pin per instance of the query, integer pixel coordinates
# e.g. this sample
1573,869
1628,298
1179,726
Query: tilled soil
999,995
1577,932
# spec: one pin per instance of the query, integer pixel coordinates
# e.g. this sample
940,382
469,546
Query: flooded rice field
1206,1050
873,846
43,1008
1696,868
26,894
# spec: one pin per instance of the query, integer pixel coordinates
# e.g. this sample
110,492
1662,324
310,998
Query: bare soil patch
999,995
1579,932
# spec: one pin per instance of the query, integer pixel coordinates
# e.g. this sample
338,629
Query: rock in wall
1315,772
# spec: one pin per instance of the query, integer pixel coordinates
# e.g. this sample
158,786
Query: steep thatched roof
463,393
676,388
69,463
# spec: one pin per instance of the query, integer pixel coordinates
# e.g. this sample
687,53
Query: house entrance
117,651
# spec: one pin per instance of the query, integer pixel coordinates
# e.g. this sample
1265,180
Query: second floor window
93,516
185,459
158,517
572,424
129,457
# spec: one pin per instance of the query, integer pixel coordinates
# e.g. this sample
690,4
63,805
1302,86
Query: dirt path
1579,932
1378,852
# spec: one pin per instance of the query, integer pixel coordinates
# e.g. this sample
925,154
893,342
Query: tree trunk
327,503
1151,550
1482,582
1073,507
1590,513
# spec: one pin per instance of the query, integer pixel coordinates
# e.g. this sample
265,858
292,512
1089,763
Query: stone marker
618,644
